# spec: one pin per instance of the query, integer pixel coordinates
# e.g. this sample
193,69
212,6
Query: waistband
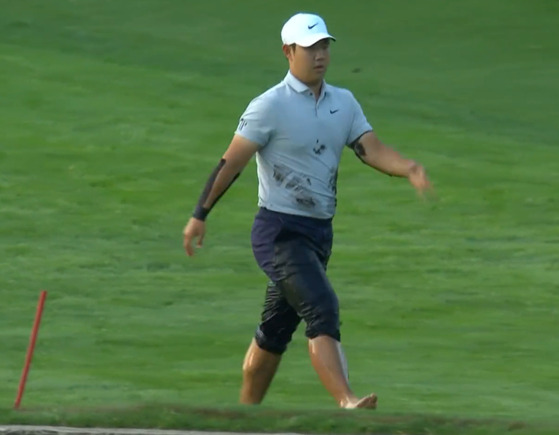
264,212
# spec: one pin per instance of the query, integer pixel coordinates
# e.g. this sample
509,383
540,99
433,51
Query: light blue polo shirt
301,143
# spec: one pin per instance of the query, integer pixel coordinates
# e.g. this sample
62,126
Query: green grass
113,114
271,420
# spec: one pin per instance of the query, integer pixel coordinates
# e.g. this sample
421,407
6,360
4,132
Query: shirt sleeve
257,121
359,124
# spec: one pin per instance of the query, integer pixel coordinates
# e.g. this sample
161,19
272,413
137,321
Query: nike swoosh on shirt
334,111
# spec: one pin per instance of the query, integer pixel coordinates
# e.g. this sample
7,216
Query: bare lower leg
259,368
329,361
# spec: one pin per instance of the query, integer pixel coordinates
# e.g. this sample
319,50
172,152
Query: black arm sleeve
201,212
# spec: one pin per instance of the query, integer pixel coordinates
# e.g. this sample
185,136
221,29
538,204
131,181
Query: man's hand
195,229
418,179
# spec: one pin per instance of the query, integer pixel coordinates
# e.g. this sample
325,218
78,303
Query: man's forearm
221,178
388,161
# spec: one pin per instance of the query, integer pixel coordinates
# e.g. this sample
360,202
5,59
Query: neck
314,86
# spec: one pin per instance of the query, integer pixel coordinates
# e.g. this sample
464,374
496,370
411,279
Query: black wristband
200,213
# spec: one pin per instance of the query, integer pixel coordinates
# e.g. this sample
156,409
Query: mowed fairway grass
112,115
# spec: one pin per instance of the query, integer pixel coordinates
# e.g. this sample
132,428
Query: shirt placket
319,139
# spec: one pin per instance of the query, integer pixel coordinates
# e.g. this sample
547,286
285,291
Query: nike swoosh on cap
314,25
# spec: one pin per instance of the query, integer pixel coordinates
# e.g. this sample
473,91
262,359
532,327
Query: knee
329,327
258,360
324,319
250,367
276,343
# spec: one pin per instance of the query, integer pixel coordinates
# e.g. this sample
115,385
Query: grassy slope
113,114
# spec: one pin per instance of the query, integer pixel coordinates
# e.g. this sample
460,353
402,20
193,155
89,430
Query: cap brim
313,39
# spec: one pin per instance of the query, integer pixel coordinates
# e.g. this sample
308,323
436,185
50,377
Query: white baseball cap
304,30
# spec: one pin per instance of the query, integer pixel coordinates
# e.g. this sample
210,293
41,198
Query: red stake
31,347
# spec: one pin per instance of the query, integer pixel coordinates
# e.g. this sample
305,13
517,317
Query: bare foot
367,402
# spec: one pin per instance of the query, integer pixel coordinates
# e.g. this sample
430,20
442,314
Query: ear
286,51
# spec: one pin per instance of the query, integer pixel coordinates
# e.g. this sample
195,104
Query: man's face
309,64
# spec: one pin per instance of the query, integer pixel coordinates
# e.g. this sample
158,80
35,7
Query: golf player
298,129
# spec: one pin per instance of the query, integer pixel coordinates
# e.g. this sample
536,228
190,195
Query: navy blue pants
293,251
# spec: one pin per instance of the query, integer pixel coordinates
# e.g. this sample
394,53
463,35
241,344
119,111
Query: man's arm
232,163
371,151
225,173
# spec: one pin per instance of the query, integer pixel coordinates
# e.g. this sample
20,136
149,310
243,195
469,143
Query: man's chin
319,72
317,77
